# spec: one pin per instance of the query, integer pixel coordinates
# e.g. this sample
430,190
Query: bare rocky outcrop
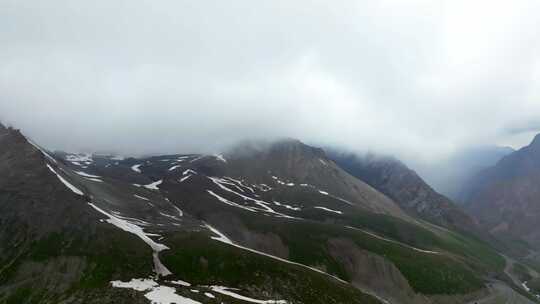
506,196
393,178
373,272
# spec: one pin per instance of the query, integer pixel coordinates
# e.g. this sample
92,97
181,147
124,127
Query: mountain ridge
284,223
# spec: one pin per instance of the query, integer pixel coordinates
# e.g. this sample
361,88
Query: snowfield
157,294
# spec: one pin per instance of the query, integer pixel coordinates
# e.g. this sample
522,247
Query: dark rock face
30,193
405,187
506,197
50,239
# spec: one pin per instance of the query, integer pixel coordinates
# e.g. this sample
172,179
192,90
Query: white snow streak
153,186
184,178
181,283
80,158
136,168
188,171
221,237
220,157
224,239
287,206
393,241
86,174
141,197
329,210
65,182
241,183
228,202
262,204
228,292
174,167
95,180
138,231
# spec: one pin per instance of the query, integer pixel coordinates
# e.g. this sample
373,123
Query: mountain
291,201
506,197
393,178
70,236
449,176
272,222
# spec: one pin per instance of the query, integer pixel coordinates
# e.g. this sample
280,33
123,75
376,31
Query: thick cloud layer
419,79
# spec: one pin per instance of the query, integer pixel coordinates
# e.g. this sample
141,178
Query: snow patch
174,167
329,210
287,206
80,158
153,186
229,292
157,294
188,171
141,197
136,168
127,226
221,237
228,202
95,180
262,204
65,182
220,157
183,179
180,283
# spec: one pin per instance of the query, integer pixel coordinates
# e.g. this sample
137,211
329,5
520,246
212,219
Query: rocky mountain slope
70,236
449,176
406,188
291,201
261,223
506,197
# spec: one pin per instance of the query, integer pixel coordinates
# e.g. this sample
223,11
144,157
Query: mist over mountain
449,176
269,152
144,78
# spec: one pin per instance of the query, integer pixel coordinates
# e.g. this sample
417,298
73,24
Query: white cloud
419,79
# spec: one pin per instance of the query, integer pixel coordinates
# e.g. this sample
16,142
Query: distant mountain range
450,176
274,222
506,197
405,187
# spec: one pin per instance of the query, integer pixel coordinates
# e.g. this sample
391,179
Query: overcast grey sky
419,78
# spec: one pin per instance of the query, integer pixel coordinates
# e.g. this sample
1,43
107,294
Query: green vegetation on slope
203,261
109,255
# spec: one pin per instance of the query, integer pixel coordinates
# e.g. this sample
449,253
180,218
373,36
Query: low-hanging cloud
419,79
